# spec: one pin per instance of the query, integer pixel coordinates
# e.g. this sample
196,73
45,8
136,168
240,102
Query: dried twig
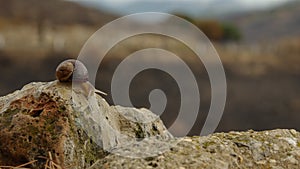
19,166
50,164
94,164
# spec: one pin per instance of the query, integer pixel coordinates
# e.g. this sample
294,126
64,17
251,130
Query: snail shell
72,70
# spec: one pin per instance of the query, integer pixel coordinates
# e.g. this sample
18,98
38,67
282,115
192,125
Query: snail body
72,70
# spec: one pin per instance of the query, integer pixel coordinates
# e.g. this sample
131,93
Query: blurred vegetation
215,30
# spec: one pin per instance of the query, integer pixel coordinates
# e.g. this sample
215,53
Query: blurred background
257,41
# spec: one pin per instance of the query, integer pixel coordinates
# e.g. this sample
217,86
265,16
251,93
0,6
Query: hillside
43,26
34,32
52,11
272,24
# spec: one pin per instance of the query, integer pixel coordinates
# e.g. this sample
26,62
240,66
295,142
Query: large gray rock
51,119
55,122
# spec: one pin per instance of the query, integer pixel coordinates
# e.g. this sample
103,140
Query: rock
48,119
222,150
53,122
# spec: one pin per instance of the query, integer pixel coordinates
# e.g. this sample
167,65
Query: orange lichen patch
33,127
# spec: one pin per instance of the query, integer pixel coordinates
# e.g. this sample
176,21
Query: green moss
50,126
62,110
33,130
91,152
208,143
10,112
198,147
7,117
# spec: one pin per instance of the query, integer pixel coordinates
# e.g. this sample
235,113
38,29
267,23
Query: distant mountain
272,24
202,9
266,21
52,11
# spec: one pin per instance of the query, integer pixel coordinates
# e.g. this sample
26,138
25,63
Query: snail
72,70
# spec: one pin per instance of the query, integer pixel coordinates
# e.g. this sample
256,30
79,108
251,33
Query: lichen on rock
267,149
54,117
57,120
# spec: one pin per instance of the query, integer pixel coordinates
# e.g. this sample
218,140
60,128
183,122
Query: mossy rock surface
52,121
266,149
51,118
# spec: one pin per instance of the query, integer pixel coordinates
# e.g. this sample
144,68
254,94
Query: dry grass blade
46,165
94,164
19,166
33,161
12,167
50,164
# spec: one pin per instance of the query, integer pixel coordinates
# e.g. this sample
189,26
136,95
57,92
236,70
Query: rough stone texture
45,118
49,117
276,149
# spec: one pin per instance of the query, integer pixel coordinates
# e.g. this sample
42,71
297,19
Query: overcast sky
248,2
193,7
